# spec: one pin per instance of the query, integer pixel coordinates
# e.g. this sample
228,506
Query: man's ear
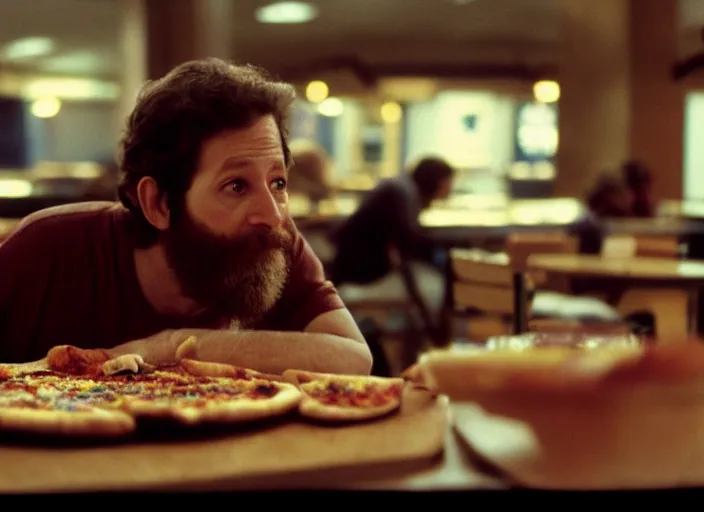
153,203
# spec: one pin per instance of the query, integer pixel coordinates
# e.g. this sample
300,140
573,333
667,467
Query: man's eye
279,184
236,186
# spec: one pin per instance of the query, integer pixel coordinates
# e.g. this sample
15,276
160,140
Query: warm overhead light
286,12
46,107
73,62
28,47
331,107
391,112
546,91
71,88
317,91
15,188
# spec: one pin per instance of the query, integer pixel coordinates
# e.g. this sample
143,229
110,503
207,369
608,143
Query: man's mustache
262,239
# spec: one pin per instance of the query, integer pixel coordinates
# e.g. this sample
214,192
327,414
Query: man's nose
266,211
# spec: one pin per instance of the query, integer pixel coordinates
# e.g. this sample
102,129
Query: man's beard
234,278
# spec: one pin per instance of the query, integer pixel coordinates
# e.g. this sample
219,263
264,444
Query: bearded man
200,242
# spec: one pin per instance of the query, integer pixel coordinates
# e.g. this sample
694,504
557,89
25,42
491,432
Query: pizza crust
77,361
235,411
298,377
312,408
187,349
9,371
130,363
94,423
210,369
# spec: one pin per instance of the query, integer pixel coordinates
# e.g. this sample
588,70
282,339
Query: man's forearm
265,351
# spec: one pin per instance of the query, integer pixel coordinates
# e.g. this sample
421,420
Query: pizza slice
83,362
46,402
9,371
77,361
331,397
198,399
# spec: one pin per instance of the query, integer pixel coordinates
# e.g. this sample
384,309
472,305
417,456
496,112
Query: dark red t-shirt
67,276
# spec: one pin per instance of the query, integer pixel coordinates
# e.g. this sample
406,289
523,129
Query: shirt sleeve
25,270
307,294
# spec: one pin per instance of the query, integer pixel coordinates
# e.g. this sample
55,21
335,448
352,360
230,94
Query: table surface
455,470
636,268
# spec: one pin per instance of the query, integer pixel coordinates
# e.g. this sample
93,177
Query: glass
573,339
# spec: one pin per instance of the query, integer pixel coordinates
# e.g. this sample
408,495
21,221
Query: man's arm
331,343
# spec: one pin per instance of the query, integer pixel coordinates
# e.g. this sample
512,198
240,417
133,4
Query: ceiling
85,32
394,36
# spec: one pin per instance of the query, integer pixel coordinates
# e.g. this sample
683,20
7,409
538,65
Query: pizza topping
267,390
352,393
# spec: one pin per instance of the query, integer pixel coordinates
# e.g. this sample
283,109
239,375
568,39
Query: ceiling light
391,112
286,12
331,107
28,47
317,91
546,91
15,188
46,107
71,88
74,62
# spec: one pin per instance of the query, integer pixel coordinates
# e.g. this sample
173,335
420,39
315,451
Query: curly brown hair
176,114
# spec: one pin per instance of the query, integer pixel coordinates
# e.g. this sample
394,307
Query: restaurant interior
575,215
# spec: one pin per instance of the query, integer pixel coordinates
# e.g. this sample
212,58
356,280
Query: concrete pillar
133,66
657,101
182,30
157,35
618,99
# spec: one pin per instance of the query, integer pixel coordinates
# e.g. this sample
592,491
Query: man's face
230,249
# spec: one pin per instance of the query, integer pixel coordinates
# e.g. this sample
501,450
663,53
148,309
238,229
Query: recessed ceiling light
73,62
286,12
28,47
317,91
46,107
331,107
546,91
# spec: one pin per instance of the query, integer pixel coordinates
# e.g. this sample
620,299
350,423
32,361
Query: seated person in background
103,188
607,198
201,244
384,235
639,182
309,174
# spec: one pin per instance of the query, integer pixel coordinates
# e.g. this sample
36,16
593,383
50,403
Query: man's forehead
246,160
240,148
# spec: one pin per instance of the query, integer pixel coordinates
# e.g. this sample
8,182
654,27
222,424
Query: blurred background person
639,184
309,175
609,197
383,241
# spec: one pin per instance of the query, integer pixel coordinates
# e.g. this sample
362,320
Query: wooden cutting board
289,454
644,439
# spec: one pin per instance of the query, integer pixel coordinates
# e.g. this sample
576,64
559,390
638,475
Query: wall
81,131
